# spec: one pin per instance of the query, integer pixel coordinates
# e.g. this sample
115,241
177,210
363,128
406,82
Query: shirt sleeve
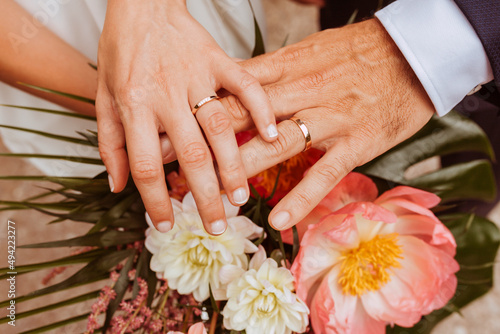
441,47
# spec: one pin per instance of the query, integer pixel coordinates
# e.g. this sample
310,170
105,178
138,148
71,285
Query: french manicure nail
240,196
111,183
280,220
272,131
164,227
218,227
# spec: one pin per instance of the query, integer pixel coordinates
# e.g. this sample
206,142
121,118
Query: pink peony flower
198,328
369,261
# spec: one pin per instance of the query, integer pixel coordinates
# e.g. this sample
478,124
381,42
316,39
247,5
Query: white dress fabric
79,23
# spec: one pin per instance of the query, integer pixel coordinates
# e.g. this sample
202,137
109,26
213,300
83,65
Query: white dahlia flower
261,300
190,259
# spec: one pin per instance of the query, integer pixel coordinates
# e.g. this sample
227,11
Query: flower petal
189,205
345,233
244,227
401,206
229,273
333,312
231,210
354,187
317,255
428,229
417,196
425,282
198,328
258,259
312,218
369,211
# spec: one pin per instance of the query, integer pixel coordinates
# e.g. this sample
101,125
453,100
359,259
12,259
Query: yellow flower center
265,304
368,267
199,256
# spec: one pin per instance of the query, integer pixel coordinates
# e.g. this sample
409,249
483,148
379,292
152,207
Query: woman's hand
155,64
43,60
357,96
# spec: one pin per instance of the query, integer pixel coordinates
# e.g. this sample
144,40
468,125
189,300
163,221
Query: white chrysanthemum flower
261,300
190,259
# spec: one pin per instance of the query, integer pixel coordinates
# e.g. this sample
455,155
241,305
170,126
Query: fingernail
164,227
280,220
272,131
218,227
111,183
240,196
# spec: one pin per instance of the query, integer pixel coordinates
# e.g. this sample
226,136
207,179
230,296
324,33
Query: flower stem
213,323
133,317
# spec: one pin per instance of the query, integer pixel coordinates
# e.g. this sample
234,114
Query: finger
258,155
217,127
286,98
265,68
196,161
239,116
146,166
321,178
167,150
111,143
249,91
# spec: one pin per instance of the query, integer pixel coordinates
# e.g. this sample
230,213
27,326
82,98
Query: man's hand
155,64
357,96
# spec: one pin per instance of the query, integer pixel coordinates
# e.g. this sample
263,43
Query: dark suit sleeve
484,16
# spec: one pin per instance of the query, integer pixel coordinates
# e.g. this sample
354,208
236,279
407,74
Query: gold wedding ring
204,101
305,132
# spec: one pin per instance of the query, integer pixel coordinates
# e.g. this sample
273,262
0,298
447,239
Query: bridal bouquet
381,253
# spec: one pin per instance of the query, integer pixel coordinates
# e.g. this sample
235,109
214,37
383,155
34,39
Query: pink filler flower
366,262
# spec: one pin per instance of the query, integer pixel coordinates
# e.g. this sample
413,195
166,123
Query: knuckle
162,81
232,171
235,108
195,155
328,175
280,146
303,200
106,151
217,124
247,82
317,79
130,94
345,163
145,170
293,53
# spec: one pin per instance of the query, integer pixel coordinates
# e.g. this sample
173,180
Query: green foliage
259,47
441,136
56,92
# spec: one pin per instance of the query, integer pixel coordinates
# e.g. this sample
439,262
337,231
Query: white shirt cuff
441,47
